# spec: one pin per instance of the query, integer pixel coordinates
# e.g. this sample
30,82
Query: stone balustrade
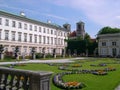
16,79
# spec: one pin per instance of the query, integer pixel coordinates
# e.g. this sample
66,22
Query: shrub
38,55
49,55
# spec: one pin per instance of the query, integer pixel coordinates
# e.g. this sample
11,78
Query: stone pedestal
54,55
17,56
63,53
44,56
41,81
87,53
33,56
1,56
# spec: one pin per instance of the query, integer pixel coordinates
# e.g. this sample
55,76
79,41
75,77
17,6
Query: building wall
109,44
42,36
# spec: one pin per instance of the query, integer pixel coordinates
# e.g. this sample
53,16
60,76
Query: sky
96,14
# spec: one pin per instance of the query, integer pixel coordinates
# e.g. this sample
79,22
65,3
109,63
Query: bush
38,55
49,55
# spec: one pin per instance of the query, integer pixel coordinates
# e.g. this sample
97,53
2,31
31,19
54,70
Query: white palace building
18,30
109,45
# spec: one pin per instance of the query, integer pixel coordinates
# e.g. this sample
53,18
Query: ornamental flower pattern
58,81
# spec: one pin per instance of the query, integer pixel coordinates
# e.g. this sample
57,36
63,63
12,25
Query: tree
86,46
108,30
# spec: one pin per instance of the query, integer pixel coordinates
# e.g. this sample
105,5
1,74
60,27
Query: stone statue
1,52
54,53
33,53
17,53
43,53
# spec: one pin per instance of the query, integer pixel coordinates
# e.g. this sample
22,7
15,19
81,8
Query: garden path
118,88
43,61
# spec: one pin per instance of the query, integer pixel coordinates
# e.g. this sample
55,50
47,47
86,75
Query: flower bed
110,69
57,80
101,64
76,65
99,72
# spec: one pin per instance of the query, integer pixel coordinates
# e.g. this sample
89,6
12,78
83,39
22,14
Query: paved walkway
118,88
43,61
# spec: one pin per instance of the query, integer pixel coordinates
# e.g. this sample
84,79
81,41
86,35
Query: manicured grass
92,82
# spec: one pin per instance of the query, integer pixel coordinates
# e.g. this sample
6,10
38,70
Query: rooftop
24,18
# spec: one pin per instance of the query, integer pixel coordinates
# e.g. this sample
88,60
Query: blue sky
94,13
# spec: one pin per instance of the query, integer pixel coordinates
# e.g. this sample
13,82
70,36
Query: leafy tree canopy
108,30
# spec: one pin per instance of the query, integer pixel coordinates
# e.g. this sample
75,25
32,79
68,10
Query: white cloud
103,12
32,11
55,16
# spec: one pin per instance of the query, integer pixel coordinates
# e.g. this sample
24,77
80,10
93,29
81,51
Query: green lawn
92,82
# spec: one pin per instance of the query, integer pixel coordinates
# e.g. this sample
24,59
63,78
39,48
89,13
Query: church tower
80,31
67,27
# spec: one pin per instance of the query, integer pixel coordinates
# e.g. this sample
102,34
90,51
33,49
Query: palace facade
109,45
18,30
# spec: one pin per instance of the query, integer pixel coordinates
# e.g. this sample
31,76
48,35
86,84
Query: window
30,27
44,30
113,43
19,36
35,27
25,37
44,39
40,39
30,37
103,43
19,25
6,35
58,41
35,38
6,22
25,26
0,21
51,40
13,24
47,31
39,29
55,32
6,49
25,49
61,41
64,34
13,36
58,33
48,40
55,41
0,34
51,31
61,33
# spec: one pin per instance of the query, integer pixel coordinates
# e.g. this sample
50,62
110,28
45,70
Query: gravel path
117,88
42,61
